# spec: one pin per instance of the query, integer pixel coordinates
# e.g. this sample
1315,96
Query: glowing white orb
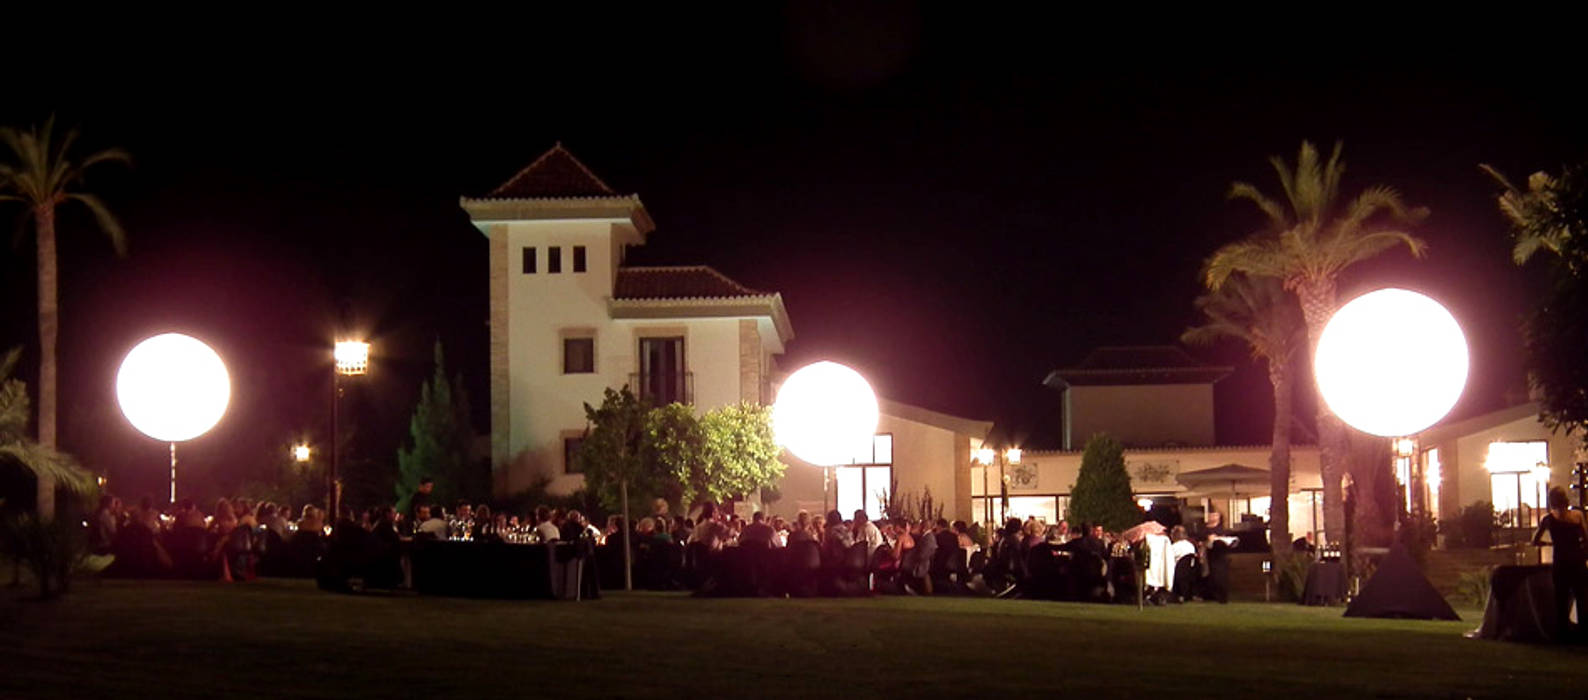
826,414
173,387
1391,362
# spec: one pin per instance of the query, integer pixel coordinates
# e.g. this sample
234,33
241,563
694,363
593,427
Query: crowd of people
706,550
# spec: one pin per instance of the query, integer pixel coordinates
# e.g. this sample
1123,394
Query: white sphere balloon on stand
825,414
173,388
1391,362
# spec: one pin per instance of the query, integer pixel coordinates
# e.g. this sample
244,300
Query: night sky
953,204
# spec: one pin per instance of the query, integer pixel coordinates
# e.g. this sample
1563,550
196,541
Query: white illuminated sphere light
826,414
173,387
1391,362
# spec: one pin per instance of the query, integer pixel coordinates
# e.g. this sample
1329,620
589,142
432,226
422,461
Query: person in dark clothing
421,497
1568,534
1218,581
757,533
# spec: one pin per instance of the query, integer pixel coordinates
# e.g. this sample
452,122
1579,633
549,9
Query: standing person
107,519
1568,534
421,497
866,531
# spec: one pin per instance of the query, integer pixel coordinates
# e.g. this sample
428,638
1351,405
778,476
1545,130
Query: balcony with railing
662,388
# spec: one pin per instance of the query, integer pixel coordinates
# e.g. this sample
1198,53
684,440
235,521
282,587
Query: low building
1507,458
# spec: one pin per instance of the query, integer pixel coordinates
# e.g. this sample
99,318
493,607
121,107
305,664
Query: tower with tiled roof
569,319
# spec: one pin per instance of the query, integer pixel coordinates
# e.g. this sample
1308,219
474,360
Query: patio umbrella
1237,478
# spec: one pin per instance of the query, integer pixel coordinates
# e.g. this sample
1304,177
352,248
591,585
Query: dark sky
955,204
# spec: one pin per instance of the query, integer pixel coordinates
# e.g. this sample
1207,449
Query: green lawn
286,639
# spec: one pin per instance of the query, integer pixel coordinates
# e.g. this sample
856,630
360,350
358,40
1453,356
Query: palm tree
1308,240
41,175
1258,311
16,447
1549,215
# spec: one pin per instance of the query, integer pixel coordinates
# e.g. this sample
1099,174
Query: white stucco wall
547,405
1464,464
1057,471
1147,415
924,457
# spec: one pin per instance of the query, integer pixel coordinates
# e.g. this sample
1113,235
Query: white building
569,319
1507,458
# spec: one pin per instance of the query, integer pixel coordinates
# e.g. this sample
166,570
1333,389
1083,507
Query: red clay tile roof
556,173
681,282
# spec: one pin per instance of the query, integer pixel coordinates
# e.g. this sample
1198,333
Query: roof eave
487,210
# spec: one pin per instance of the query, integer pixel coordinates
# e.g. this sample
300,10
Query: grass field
286,639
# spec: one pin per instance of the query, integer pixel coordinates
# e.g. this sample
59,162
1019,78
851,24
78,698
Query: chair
1185,571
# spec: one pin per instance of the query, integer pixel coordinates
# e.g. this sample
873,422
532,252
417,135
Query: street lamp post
987,457
352,359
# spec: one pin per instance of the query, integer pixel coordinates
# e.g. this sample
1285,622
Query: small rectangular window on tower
578,258
578,355
554,259
529,260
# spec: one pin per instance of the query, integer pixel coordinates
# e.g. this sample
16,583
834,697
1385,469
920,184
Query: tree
1308,240
1552,215
1102,492
675,446
42,175
440,436
613,456
1258,311
740,450
16,446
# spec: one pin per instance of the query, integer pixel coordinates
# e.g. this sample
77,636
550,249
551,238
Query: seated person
430,526
710,532
544,527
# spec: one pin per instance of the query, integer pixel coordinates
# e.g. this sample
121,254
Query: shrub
51,550
1473,586
1292,577
1472,527
1102,488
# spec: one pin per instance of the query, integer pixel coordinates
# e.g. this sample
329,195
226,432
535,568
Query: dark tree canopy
439,437
1551,215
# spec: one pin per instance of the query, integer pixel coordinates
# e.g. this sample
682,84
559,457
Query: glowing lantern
826,414
173,387
1391,362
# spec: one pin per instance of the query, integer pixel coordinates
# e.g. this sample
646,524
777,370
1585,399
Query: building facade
569,319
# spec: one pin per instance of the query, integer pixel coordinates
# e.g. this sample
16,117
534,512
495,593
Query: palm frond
107,221
1258,256
8,364
109,155
1346,251
1272,209
43,461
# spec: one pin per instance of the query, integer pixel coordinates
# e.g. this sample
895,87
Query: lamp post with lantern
352,360
987,457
